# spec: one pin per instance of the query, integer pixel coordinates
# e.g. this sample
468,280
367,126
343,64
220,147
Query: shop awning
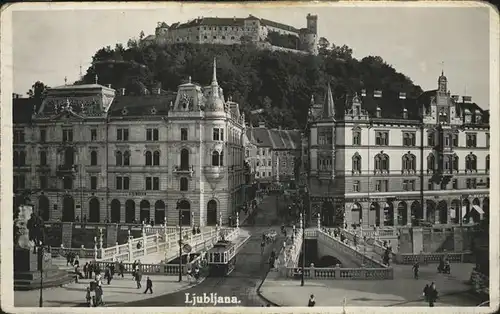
478,209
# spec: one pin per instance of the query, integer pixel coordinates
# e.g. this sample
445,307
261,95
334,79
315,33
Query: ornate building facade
86,152
367,168
273,153
231,31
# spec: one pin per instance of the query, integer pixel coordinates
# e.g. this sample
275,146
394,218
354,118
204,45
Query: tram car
221,259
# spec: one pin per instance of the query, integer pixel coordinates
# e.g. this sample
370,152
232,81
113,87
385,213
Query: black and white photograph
330,155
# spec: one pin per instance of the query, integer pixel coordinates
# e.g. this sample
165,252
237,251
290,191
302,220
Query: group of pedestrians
430,294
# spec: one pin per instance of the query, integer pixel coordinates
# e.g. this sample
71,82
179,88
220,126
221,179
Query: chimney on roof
405,113
467,99
402,95
262,124
363,92
379,112
123,91
377,93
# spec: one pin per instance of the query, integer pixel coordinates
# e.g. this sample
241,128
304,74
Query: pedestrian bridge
156,244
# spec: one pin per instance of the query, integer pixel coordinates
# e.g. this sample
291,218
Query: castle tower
442,83
312,23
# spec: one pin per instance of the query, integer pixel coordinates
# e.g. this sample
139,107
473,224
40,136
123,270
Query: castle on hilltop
231,31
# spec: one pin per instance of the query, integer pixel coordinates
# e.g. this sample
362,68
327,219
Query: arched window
471,162
221,159
184,184
488,163
43,158
356,137
215,158
149,158
404,162
455,163
126,158
409,163
382,163
119,160
430,139
356,163
93,158
156,158
431,162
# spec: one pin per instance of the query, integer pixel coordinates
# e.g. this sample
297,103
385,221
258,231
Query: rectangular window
68,183
93,183
382,138
216,134
122,134
258,151
378,186
443,185
405,185
19,182
43,158
156,183
269,174
126,183
67,135
355,186
93,135
269,163
471,140
43,182
149,185
455,184
412,185
263,174
430,185
43,135
184,134
474,183
487,182
455,140
18,136
487,139
149,134
119,183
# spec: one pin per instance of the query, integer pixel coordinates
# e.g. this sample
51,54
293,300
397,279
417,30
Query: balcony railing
184,170
67,169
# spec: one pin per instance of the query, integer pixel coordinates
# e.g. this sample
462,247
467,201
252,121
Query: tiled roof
141,105
22,109
277,139
279,25
387,103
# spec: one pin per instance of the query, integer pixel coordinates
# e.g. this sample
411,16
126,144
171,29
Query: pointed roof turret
215,101
214,74
329,106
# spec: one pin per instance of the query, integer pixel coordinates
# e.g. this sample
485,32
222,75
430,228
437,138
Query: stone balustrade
427,258
335,244
343,273
150,269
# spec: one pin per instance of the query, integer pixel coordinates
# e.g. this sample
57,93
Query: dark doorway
115,211
212,213
68,214
129,211
94,210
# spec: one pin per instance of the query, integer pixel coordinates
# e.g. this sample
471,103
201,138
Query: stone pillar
417,240
381,214
408,214
424,211
395,214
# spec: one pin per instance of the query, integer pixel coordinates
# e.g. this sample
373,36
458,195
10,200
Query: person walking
433,294
86,270
138,278
426,293
311,302
416,267
262,246
149,285
121,268
88,298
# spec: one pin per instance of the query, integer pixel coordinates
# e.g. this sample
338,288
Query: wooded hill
280,82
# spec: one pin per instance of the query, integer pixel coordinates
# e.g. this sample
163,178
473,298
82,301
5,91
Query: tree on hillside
323,45
280,82
38,90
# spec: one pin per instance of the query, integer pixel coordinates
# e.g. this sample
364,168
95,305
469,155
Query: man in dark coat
149,285
433,294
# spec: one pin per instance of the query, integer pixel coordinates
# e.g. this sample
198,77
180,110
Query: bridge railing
343,273
338,245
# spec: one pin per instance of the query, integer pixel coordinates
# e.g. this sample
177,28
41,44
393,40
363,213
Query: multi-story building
233,31
86,151
367,167
273,154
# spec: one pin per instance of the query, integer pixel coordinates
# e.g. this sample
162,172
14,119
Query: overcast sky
49,45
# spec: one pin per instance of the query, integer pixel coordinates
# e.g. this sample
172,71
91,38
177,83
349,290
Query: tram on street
221,258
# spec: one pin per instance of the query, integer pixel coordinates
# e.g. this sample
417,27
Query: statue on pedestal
23,237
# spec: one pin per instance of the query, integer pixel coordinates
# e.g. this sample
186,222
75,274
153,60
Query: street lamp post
180,241
40,252
303,227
